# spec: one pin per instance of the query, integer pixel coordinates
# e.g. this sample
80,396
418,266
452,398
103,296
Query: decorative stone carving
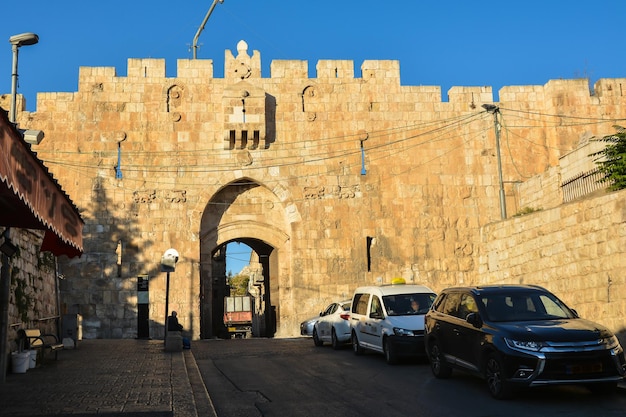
337,191
144,196
244,158
175,196
243,66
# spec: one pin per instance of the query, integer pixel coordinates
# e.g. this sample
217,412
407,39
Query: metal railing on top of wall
581,185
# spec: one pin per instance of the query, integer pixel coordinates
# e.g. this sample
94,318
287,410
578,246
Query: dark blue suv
519,336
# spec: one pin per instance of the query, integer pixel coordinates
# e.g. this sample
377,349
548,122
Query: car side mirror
475,320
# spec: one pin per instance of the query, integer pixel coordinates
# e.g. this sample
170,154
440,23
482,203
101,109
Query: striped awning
31,198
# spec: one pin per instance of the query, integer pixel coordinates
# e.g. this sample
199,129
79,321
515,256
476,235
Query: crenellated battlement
561,92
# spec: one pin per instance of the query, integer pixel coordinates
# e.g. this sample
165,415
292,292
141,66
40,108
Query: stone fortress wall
335,181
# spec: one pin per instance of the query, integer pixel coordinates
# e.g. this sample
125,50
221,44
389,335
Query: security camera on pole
168,264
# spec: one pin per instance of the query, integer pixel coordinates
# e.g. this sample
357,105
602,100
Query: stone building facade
34,297
334,181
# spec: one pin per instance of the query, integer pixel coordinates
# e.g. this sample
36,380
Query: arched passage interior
247,212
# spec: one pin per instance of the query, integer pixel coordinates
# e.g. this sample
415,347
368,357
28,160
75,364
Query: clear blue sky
237,256
442,43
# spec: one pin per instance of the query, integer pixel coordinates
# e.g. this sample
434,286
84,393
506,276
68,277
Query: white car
333,326
389,319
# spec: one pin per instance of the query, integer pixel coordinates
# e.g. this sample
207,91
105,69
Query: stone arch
248,212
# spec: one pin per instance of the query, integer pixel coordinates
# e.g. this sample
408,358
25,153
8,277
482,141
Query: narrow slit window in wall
118,252
369,240
232,140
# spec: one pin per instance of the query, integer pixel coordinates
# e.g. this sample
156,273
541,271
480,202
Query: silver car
306,327
333,325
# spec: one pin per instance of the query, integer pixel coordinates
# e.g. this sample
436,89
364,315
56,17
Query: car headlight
402,332
524,345
612,343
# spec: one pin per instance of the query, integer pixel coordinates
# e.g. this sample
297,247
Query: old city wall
576,250
338,180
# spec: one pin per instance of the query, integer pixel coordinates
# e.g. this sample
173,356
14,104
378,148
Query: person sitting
172,323
415,306
174,326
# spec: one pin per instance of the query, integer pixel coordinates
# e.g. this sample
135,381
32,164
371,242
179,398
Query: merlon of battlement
386,73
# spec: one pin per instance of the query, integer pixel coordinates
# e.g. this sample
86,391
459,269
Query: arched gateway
335,180
247,212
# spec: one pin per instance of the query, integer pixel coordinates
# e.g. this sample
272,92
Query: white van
389,319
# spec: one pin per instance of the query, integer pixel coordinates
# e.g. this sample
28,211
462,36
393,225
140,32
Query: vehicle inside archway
242,304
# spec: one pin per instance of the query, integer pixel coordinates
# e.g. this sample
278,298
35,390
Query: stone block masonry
334,181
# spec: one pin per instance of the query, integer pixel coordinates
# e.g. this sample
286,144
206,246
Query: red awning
31,198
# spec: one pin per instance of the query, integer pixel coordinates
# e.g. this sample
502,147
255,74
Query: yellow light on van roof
398,281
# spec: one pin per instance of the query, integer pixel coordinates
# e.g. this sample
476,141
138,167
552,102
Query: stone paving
113,378
109,378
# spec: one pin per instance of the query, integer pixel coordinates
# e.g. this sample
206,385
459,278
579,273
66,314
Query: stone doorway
250,213
259,289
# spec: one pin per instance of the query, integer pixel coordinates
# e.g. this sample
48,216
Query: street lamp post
168,264
23,39
7,248
201,28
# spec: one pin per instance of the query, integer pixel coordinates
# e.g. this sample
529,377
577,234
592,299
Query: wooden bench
43,342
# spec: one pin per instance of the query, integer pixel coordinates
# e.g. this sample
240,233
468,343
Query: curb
202,400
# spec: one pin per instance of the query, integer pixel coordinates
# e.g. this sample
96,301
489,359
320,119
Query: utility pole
491,108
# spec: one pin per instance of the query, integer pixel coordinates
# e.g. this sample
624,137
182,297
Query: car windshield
525,307
408,304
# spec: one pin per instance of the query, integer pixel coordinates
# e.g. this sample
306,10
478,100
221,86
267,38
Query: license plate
583,368
232,329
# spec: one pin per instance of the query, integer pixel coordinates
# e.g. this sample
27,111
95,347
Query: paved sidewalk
126,378
112,378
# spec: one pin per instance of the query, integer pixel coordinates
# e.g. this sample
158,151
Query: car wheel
356,348
316,338
335,342
494,374
438,364
390,356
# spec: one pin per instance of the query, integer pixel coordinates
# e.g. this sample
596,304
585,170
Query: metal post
167,302
496,110
168,264
502,196
12,114
16,41
201,28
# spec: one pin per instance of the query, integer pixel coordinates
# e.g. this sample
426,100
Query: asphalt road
292,377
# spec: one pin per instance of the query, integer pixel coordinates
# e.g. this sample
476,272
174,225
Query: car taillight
345,316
